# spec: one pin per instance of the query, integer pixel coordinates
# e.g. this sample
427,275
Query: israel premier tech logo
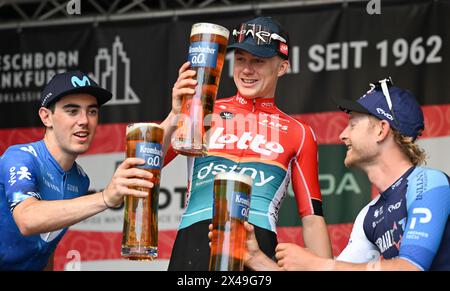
422,214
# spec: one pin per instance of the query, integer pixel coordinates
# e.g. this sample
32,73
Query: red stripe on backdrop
106,245
110,138
328,125
95,245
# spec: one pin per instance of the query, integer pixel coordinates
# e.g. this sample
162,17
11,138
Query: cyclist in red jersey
250,135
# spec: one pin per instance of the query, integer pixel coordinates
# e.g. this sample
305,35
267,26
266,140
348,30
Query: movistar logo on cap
76,82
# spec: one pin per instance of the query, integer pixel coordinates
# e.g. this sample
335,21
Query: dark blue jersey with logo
409,220
29,170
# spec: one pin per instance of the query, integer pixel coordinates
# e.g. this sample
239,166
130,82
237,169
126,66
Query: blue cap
406,115
266,50
72,82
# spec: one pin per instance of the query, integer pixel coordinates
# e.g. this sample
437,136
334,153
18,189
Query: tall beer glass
140,226
208,43
230,209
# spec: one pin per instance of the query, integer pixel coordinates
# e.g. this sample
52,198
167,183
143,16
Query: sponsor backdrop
335,51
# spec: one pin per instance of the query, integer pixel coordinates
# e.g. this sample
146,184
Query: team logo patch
226,115
284,49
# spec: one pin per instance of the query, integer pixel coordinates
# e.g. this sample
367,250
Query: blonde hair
412,150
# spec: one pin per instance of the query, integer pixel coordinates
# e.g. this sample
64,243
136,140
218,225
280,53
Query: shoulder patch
29,149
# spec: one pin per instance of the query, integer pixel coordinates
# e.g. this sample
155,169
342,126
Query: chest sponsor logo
241,100
395,206
72,188
259,177
385,241
274,124
267,104
391,237
378,212
256,143
50,185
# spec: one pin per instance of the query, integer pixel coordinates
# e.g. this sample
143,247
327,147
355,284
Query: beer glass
230,209
140,226
208,43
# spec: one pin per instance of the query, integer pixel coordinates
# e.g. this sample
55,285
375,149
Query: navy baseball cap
72,82
405,114
262,37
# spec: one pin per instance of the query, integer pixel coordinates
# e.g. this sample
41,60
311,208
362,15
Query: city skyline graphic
112,72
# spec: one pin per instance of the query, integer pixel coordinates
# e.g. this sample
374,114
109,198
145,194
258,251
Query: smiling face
360,138
255,76
71,127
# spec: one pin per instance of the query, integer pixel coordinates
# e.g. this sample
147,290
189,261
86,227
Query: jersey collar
52,160
401,182
255,103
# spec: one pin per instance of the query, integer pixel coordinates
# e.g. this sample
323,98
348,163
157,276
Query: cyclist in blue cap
42,188
407,224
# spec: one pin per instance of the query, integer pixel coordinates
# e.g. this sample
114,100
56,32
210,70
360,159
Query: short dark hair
52,107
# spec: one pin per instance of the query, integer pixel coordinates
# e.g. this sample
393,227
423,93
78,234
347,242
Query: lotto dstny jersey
29,170
409,220
253,137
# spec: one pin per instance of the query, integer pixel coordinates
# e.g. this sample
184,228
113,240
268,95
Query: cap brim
101,94
256,50
350,106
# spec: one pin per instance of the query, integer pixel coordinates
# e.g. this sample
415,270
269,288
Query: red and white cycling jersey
254,137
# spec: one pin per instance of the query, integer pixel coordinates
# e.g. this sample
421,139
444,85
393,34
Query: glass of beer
140,226
231,208
208,43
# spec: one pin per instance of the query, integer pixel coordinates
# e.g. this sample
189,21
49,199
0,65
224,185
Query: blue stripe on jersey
426,237
417,229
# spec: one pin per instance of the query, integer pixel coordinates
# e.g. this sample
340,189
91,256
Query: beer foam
233,176
204,27
133,126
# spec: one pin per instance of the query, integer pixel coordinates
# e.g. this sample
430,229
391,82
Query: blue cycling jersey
29,170
409,220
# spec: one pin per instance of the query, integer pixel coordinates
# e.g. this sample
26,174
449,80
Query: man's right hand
253,250
184,86
125,177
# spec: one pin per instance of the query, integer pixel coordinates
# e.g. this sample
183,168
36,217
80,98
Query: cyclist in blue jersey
42,188
407,224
